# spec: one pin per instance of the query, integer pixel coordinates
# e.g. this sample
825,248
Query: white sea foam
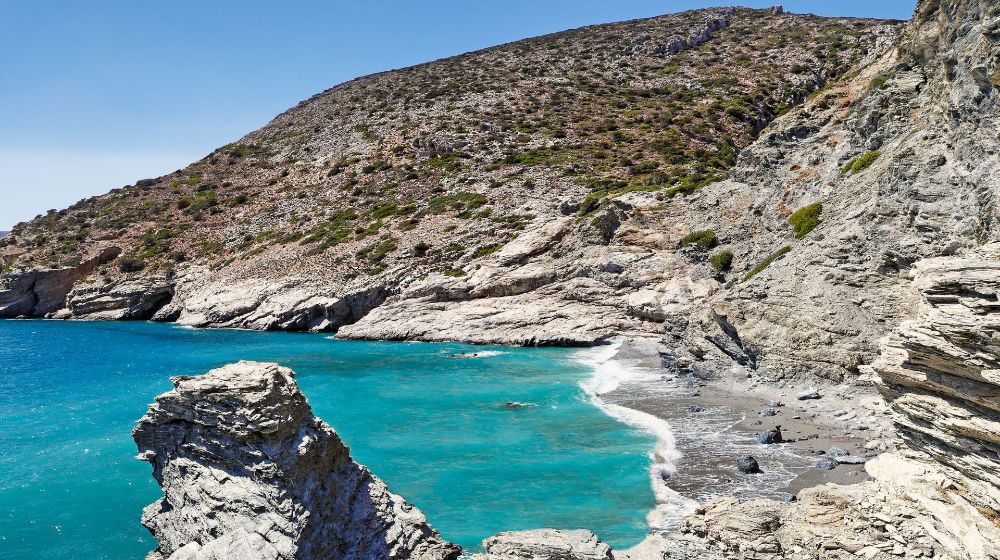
481,354
609,374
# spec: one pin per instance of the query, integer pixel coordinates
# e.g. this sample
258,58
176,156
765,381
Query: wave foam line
609,374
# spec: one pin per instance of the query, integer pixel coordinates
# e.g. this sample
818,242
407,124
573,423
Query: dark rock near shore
747,464
827,464
770,437
837,451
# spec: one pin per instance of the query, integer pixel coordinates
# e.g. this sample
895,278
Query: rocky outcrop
247,471
939,374
126,299
36,293
545,544
291,303
900,513
547,287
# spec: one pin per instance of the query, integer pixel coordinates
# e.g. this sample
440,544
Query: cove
429,419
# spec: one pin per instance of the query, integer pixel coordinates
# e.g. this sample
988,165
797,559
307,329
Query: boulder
747,464
770,437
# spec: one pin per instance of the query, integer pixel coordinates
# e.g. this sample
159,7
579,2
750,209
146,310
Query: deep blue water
434,428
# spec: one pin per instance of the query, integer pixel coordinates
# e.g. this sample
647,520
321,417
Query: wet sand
715,422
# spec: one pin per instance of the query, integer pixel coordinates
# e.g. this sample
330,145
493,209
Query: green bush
722,261
536,156
592,202
877,82
860,163
766,262
484,251
456,201
805,219
131,264
703,239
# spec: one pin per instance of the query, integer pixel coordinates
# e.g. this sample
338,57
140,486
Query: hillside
548,191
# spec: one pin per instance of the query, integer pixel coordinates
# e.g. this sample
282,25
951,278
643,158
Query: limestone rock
939,374
126,299
545,544
247,471
36,293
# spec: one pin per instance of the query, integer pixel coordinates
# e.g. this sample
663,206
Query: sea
434,421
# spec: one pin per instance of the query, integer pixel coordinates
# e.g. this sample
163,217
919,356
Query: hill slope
539,192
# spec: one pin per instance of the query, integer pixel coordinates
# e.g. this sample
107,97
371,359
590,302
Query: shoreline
717,421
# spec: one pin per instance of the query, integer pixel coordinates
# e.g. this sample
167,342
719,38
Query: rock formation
939,374
247,471
545,544
36,293
126,299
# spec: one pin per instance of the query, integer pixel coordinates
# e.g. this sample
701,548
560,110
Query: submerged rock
248,472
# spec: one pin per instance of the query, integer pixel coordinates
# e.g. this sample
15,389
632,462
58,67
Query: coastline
703,426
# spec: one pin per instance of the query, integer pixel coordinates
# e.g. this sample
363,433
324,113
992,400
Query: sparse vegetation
805,219
722,261
860,163
457,201
484,251
584,114
702,239
878,82
131,264
766,262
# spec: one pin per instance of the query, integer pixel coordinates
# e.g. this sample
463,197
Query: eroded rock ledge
248,472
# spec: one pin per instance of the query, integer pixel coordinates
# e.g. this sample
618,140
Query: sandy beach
712,423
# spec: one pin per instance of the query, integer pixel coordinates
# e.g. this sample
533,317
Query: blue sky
98,94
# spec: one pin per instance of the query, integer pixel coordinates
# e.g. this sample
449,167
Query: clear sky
101,93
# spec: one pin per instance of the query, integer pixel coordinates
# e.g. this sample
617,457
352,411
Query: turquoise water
434,428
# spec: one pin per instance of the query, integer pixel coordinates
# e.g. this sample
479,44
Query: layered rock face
902,156
126,299
247,471
36,293
940,375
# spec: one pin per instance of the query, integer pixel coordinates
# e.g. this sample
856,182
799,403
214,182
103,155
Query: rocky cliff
36,293
938,372
541,192
827,211
247,471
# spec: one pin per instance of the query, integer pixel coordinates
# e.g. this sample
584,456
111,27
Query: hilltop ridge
524,194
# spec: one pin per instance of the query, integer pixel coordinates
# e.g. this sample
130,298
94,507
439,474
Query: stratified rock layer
941,376
35,293
248,472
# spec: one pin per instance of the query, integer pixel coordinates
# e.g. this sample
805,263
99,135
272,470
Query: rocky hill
557,190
